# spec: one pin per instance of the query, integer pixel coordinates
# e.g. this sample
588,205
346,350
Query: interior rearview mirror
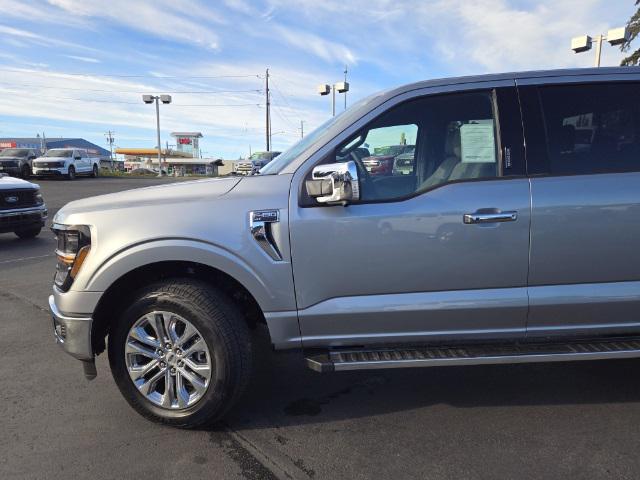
334,183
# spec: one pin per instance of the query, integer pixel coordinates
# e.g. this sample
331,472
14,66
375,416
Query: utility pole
110,141
268,114
301,128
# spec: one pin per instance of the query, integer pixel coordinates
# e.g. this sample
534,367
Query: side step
436,356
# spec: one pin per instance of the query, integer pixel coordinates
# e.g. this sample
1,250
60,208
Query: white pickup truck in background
67,162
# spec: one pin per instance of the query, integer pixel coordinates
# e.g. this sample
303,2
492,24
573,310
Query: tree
633,27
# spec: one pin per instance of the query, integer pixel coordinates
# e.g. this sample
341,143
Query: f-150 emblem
260,225
11,199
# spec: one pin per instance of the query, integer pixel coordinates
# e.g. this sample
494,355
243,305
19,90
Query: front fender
272,296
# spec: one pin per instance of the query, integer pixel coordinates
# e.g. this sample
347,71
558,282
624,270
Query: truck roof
568,72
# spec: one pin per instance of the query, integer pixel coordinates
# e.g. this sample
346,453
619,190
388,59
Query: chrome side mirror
334,183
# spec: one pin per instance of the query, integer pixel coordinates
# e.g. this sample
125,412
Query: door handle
471,218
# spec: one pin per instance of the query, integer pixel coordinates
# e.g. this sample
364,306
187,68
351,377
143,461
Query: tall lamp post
166,99
326,89
584,43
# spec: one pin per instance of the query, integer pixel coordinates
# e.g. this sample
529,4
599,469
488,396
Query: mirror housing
77,157
334,183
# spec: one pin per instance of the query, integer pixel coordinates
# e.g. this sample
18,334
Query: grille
24,198
49,164
9,163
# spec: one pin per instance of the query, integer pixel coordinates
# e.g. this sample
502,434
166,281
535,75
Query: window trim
304,200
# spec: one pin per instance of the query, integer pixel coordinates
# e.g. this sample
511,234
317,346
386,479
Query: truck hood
181,192
7,183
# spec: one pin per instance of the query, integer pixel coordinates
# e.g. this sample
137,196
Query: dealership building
40,144
184,159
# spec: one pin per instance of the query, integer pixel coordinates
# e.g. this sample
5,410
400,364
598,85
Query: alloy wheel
168,360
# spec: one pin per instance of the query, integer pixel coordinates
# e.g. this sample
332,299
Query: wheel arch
116,297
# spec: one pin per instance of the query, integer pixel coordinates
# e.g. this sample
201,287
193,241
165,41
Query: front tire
95,172
25,172
28,233
71,173
181,353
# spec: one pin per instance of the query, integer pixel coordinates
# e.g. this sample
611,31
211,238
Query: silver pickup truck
514,238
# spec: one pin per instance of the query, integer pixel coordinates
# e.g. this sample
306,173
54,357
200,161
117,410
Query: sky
78,68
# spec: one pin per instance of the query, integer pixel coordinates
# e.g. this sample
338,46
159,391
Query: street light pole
584,43
333,102
326,89
158,133
166,99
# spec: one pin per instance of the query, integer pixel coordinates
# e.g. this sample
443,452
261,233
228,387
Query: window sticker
477,143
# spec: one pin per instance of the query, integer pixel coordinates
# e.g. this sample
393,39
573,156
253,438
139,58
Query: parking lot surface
576,420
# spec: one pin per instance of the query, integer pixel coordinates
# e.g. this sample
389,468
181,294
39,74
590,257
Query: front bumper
12,171
22,218
41,172
73,334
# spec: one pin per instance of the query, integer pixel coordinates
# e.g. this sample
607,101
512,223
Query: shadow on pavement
284,392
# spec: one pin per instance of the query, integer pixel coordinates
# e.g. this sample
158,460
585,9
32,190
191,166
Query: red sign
184,141
7,144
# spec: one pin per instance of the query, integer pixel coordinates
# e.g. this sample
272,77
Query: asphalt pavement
571,420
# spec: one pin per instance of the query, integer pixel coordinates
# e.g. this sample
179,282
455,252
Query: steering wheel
367,186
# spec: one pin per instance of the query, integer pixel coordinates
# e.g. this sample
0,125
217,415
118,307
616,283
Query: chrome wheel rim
168,360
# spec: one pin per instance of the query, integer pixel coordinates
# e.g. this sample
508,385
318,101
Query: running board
437,356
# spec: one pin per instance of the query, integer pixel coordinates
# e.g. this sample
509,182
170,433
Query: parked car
403,163
487,252
17,161
22,208
67,162
383,158
255,162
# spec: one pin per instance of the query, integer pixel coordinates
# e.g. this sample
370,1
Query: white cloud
27,36
161,18
83,59
316,45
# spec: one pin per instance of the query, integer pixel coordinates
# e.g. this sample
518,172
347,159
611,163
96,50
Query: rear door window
592,128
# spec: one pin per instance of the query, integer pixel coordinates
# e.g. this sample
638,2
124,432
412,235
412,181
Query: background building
188,143
42,144
175,163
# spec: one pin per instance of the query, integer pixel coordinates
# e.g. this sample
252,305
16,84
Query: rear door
583,155
421,257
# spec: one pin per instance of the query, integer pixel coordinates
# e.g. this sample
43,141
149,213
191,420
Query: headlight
74,244
38,198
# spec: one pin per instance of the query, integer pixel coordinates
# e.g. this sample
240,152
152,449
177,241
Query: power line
120,102
42,72
212,92
275,86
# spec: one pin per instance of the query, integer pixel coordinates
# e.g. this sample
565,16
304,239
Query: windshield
14,152
58,153
282,160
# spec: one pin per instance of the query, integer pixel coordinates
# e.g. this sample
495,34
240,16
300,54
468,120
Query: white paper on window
477,143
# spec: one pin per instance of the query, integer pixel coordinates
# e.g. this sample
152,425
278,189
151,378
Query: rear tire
71,173
28,233
215,319
96,171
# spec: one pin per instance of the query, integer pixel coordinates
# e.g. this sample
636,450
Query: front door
437,249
